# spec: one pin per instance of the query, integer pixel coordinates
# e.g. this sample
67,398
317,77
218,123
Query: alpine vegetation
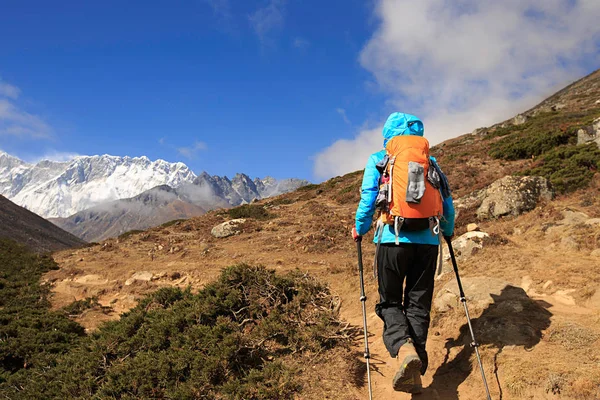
245,336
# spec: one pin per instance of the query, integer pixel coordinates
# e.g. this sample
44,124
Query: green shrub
235,339
171,223
568,167
31,335
308,187
79,306
130,233
540,134
254,211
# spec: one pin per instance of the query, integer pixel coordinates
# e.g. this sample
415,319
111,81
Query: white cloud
301,43
16,122
347,154
221,8
472,63
191,151
343,114
8,90
267,19
55,155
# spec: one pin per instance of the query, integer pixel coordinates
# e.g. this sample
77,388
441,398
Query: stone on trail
469,243
478,290
228,228
142,276
472,227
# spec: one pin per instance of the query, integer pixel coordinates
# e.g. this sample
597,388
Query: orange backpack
407,198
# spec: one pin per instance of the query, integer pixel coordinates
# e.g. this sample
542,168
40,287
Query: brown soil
556,357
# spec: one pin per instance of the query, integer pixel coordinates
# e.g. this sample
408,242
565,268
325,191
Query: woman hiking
415,208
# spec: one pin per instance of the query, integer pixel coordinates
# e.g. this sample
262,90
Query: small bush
130,233
236,339
568,167
308,187
519,147
79,306
249,211
172,222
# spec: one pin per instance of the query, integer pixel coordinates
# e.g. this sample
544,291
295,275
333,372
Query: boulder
142,276
472,227
519,120
467,244
478,291
514,195
589,134
571,217
228,228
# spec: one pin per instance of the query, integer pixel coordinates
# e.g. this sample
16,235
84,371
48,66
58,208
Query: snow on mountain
60,189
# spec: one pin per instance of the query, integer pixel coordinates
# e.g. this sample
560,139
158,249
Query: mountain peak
60,189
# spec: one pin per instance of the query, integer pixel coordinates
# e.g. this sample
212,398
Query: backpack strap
398,222
435,227
391,169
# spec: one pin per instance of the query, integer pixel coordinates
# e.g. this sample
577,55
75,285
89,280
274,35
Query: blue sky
275,87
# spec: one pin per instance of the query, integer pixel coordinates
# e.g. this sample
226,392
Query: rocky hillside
29,229
542,141
151,208
529,195
61,189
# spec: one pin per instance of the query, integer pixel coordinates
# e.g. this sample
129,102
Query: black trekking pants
406,317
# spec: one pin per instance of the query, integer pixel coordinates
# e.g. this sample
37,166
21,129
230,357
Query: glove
355,235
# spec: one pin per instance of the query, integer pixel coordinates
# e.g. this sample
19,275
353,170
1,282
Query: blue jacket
397,124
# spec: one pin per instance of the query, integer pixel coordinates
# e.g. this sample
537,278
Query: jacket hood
399,124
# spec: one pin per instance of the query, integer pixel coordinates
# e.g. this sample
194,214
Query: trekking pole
363,299
463,300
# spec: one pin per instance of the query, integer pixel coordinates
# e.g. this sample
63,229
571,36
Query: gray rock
142,276
571,217
472,227
569,243
228,228
478,290
519,120
469,243
514,195
589,134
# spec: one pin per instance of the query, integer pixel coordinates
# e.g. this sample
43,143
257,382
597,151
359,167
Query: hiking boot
408,377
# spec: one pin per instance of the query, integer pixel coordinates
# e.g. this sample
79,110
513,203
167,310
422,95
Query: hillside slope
27,228
151,208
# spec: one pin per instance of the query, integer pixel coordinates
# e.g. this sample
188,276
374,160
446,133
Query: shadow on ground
513,319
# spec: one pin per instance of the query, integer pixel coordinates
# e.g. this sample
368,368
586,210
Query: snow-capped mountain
60,189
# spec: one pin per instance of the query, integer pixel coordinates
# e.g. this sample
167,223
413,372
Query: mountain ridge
56,189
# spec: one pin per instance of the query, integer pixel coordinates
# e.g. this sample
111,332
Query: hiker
415,205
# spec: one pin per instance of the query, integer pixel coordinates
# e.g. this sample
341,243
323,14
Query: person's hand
355,235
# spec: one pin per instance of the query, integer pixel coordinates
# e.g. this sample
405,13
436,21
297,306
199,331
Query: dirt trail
522,361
